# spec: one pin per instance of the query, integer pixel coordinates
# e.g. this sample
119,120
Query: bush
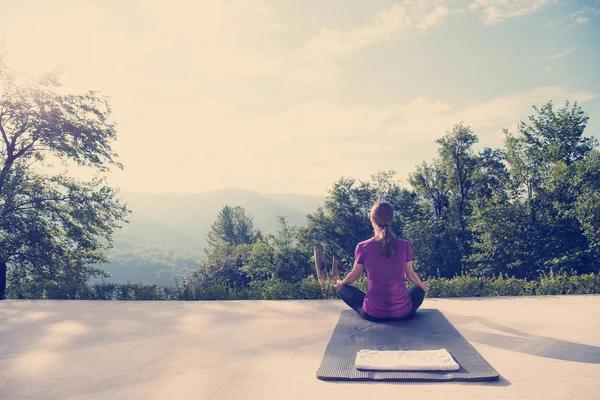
103,291
276,289
362,283
308,289
586,284
563,283
550,284
460,286
512,286
212,291
147,292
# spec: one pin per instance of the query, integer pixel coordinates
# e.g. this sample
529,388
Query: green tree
53,227
586,208
460,162
280,256
229,245
291,260
545,217
431,184
344,221
233,226
557,136
445,188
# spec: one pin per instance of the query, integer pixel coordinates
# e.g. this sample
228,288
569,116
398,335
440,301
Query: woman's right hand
338,284
424,286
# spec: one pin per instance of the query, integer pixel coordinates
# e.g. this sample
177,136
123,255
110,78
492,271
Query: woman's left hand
338,284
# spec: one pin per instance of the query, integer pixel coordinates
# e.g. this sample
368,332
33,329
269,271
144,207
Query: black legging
354,297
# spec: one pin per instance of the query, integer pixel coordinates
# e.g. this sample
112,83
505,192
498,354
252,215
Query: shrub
309,288
147,292
276,289
103,291
212,291
512,286
362,283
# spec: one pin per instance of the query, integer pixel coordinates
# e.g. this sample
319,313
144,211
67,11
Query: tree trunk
3,270
322,274
336,267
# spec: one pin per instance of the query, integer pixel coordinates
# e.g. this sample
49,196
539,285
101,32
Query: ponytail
387,241
382,214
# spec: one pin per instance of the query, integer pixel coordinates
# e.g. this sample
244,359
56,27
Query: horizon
282,97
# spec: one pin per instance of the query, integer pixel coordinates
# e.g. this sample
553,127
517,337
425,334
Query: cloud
496,11
387,25
213,41
551,59
212,46
435,18
215,94
317,62
584,15
308,146
556,56
490,117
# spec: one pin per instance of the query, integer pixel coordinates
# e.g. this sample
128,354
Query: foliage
311,289
233,227
520,220
53,229
345,219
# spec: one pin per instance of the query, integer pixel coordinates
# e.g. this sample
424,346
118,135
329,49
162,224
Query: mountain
166,233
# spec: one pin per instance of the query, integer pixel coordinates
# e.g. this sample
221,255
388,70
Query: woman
388,261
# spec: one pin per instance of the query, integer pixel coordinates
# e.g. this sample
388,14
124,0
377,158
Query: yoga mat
429,330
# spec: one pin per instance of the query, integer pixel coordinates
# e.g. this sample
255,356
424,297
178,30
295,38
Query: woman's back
387,295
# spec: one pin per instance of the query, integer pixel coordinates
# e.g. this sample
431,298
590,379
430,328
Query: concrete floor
543,347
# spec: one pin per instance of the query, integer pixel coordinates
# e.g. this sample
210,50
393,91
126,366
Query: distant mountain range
167,233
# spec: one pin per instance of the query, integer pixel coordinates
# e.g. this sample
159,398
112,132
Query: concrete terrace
543,347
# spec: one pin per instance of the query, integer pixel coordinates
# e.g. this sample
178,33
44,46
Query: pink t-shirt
387,295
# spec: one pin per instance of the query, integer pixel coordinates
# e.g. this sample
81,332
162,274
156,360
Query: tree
446,187
587,206
553,137
344,221
229,245
431,230
431,183
280,256
291,261
546,216
53,227
458,159
233,227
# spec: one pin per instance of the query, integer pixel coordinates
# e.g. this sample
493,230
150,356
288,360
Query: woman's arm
412,276
356,272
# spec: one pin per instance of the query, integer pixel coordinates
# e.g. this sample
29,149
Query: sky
288,96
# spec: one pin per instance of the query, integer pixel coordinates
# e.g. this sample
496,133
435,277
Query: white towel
406,360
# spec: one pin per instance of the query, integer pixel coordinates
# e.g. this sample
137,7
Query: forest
525,212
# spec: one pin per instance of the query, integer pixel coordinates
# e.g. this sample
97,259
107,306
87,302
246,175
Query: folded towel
406,360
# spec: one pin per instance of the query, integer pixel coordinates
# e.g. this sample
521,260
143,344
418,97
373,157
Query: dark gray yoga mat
429,330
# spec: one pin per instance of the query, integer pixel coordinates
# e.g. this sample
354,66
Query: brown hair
382,214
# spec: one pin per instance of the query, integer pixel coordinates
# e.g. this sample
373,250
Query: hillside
167,232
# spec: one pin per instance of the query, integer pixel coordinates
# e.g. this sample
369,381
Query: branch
21,131
32,201
4,137
24,149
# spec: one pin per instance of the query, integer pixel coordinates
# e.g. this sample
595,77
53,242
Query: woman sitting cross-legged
388,261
